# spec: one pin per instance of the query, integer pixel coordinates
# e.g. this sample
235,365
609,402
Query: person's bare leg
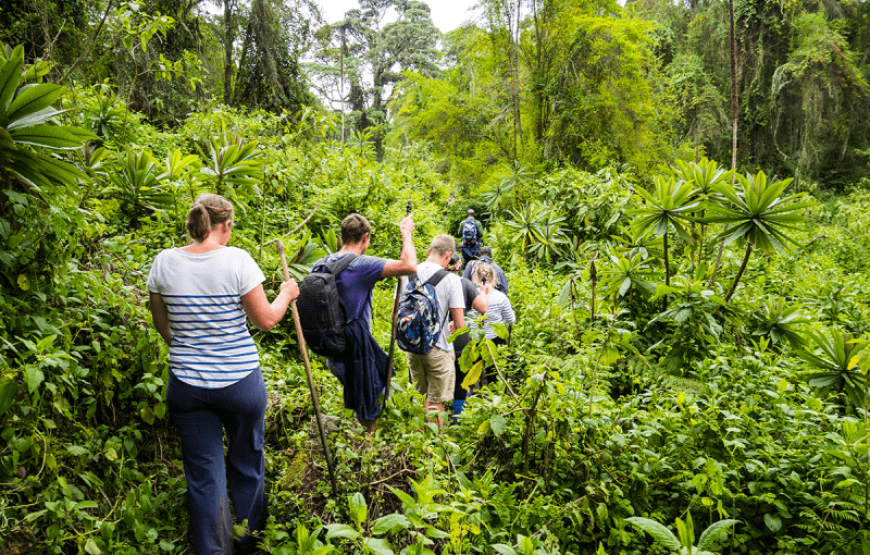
440,408
370,426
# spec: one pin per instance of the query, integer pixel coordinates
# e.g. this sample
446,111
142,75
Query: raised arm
407,263
263,314
480,304
458,318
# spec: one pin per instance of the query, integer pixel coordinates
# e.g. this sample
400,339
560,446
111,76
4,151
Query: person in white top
201,296
433,372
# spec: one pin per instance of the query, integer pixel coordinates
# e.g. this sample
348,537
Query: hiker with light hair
433,372
499,309
201,297
486,257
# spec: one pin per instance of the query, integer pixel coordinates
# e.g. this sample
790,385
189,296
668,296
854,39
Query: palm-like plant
139,186
637,241
238,168
834,362
703,175
176,175
26,120
625,273
780,322
670,204
550,237
524,223
756,215
496,197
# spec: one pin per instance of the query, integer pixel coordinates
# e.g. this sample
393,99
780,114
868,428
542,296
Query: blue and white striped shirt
500,311
211,346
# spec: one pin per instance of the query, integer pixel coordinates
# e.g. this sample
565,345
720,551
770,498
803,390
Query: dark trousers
202,416
469,253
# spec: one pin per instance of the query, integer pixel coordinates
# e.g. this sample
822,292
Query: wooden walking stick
314,399
394,317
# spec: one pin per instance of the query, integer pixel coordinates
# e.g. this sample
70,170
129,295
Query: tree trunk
732,40
229,37
249,32
667,263
740,272
516,63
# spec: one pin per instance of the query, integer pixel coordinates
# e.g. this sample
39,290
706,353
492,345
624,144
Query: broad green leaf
773,522
91,548
498,424
8,391
342,531
504,549
10,77
473,375
658,531
379,546
51,136
712,533
34,377
391,523
358,509
403,496
32,100
37,118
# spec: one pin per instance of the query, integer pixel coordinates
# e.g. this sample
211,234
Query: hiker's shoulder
369,260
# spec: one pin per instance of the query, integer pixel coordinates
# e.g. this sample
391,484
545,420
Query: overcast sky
446,14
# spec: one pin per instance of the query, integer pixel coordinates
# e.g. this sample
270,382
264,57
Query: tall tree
269,73
370,54
229,27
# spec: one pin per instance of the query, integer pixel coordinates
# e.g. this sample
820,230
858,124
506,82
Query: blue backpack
418,326
469,232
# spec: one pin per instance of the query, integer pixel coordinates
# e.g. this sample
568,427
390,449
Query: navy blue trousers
202,416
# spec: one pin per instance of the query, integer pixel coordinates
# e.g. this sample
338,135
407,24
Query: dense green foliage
689,372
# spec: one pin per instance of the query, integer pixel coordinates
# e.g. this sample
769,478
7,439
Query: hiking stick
314,399
394,317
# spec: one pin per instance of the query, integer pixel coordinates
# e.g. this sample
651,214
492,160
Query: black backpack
321,312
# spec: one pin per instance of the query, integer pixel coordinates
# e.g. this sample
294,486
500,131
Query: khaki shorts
434,374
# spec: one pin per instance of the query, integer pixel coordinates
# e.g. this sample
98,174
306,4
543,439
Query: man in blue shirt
363,372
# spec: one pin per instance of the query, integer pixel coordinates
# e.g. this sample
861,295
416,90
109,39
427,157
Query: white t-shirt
211,346
449,295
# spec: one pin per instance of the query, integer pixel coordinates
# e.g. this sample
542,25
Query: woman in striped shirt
201,296
499,310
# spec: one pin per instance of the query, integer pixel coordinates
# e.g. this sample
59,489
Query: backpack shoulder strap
437,277
338,266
